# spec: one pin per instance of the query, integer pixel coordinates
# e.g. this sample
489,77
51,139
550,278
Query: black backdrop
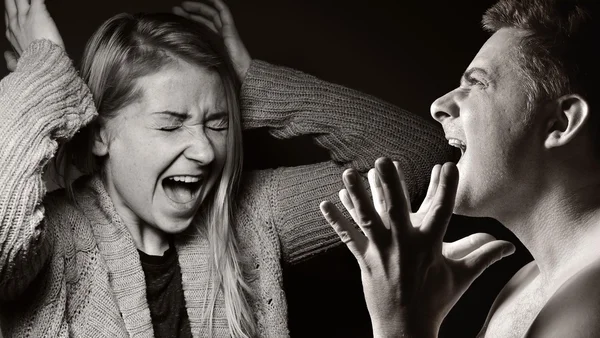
407,53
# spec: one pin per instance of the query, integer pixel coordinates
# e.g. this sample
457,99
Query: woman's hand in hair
216,15
27,21
411,279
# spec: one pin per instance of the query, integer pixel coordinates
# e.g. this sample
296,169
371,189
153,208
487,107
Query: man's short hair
557,53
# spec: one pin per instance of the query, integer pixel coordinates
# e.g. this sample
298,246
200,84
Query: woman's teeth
186,179
182,189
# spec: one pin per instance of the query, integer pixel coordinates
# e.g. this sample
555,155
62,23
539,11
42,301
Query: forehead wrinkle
182,87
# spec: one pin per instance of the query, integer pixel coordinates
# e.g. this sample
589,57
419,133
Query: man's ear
100,147
570,115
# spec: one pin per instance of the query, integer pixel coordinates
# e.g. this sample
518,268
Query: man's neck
560,227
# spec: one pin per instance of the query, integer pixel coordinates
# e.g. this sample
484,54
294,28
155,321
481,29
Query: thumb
11,60
482,258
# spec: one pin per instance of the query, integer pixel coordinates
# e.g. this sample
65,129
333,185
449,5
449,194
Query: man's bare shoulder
574,310
506,296
520,279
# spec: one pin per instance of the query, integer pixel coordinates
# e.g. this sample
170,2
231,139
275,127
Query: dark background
406,52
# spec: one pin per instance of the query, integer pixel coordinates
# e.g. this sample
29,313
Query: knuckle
336,224
365,222
345,236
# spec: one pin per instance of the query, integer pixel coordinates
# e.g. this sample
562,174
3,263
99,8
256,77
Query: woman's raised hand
216,15
27,21
411,279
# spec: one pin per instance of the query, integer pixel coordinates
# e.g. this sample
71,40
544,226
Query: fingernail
508,250
350,176
382,166
386,161
447,168
377,181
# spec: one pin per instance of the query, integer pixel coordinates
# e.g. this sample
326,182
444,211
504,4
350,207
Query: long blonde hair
127,47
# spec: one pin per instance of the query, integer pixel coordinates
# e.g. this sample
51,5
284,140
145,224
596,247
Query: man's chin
471,210
463,207
461,212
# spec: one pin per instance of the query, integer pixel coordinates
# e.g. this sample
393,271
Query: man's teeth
185,179
458,144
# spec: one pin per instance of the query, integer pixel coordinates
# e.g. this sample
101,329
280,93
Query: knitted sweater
71,269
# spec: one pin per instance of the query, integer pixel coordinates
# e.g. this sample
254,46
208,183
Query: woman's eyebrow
217,115
178,115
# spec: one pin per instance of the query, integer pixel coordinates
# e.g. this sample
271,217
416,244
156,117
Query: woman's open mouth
182,189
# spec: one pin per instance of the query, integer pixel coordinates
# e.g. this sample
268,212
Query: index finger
224,12
442,206
203,10
354,240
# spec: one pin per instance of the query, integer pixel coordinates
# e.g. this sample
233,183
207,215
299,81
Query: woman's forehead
181,87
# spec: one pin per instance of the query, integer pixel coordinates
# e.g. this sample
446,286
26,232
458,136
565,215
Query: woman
152,223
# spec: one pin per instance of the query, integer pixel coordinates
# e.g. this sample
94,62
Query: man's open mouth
182,189
458,144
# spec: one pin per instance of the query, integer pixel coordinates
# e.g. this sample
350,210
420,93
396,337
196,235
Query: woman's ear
100,147
570,115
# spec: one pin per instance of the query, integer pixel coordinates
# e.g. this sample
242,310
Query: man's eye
475,82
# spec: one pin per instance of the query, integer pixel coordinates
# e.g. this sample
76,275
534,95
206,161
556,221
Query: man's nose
445,107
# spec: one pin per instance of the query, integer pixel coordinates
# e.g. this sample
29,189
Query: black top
165,295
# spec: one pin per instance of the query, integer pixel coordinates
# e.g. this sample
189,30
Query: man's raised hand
411,279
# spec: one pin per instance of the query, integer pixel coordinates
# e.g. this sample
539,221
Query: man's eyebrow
469,73
178,115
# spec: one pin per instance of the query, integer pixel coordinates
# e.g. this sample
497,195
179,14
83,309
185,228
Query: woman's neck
147,238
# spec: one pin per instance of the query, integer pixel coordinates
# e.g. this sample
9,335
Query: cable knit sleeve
354,127
43,100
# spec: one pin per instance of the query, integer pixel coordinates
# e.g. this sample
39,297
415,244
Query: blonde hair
127,47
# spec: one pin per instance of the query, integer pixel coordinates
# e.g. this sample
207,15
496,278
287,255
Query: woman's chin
174,225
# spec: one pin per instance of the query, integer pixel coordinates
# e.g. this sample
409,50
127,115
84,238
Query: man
524,119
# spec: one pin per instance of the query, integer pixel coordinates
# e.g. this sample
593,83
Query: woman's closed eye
219,124
170,127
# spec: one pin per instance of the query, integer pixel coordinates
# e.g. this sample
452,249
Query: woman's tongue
180,192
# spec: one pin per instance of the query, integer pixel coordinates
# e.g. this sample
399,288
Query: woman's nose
200,147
